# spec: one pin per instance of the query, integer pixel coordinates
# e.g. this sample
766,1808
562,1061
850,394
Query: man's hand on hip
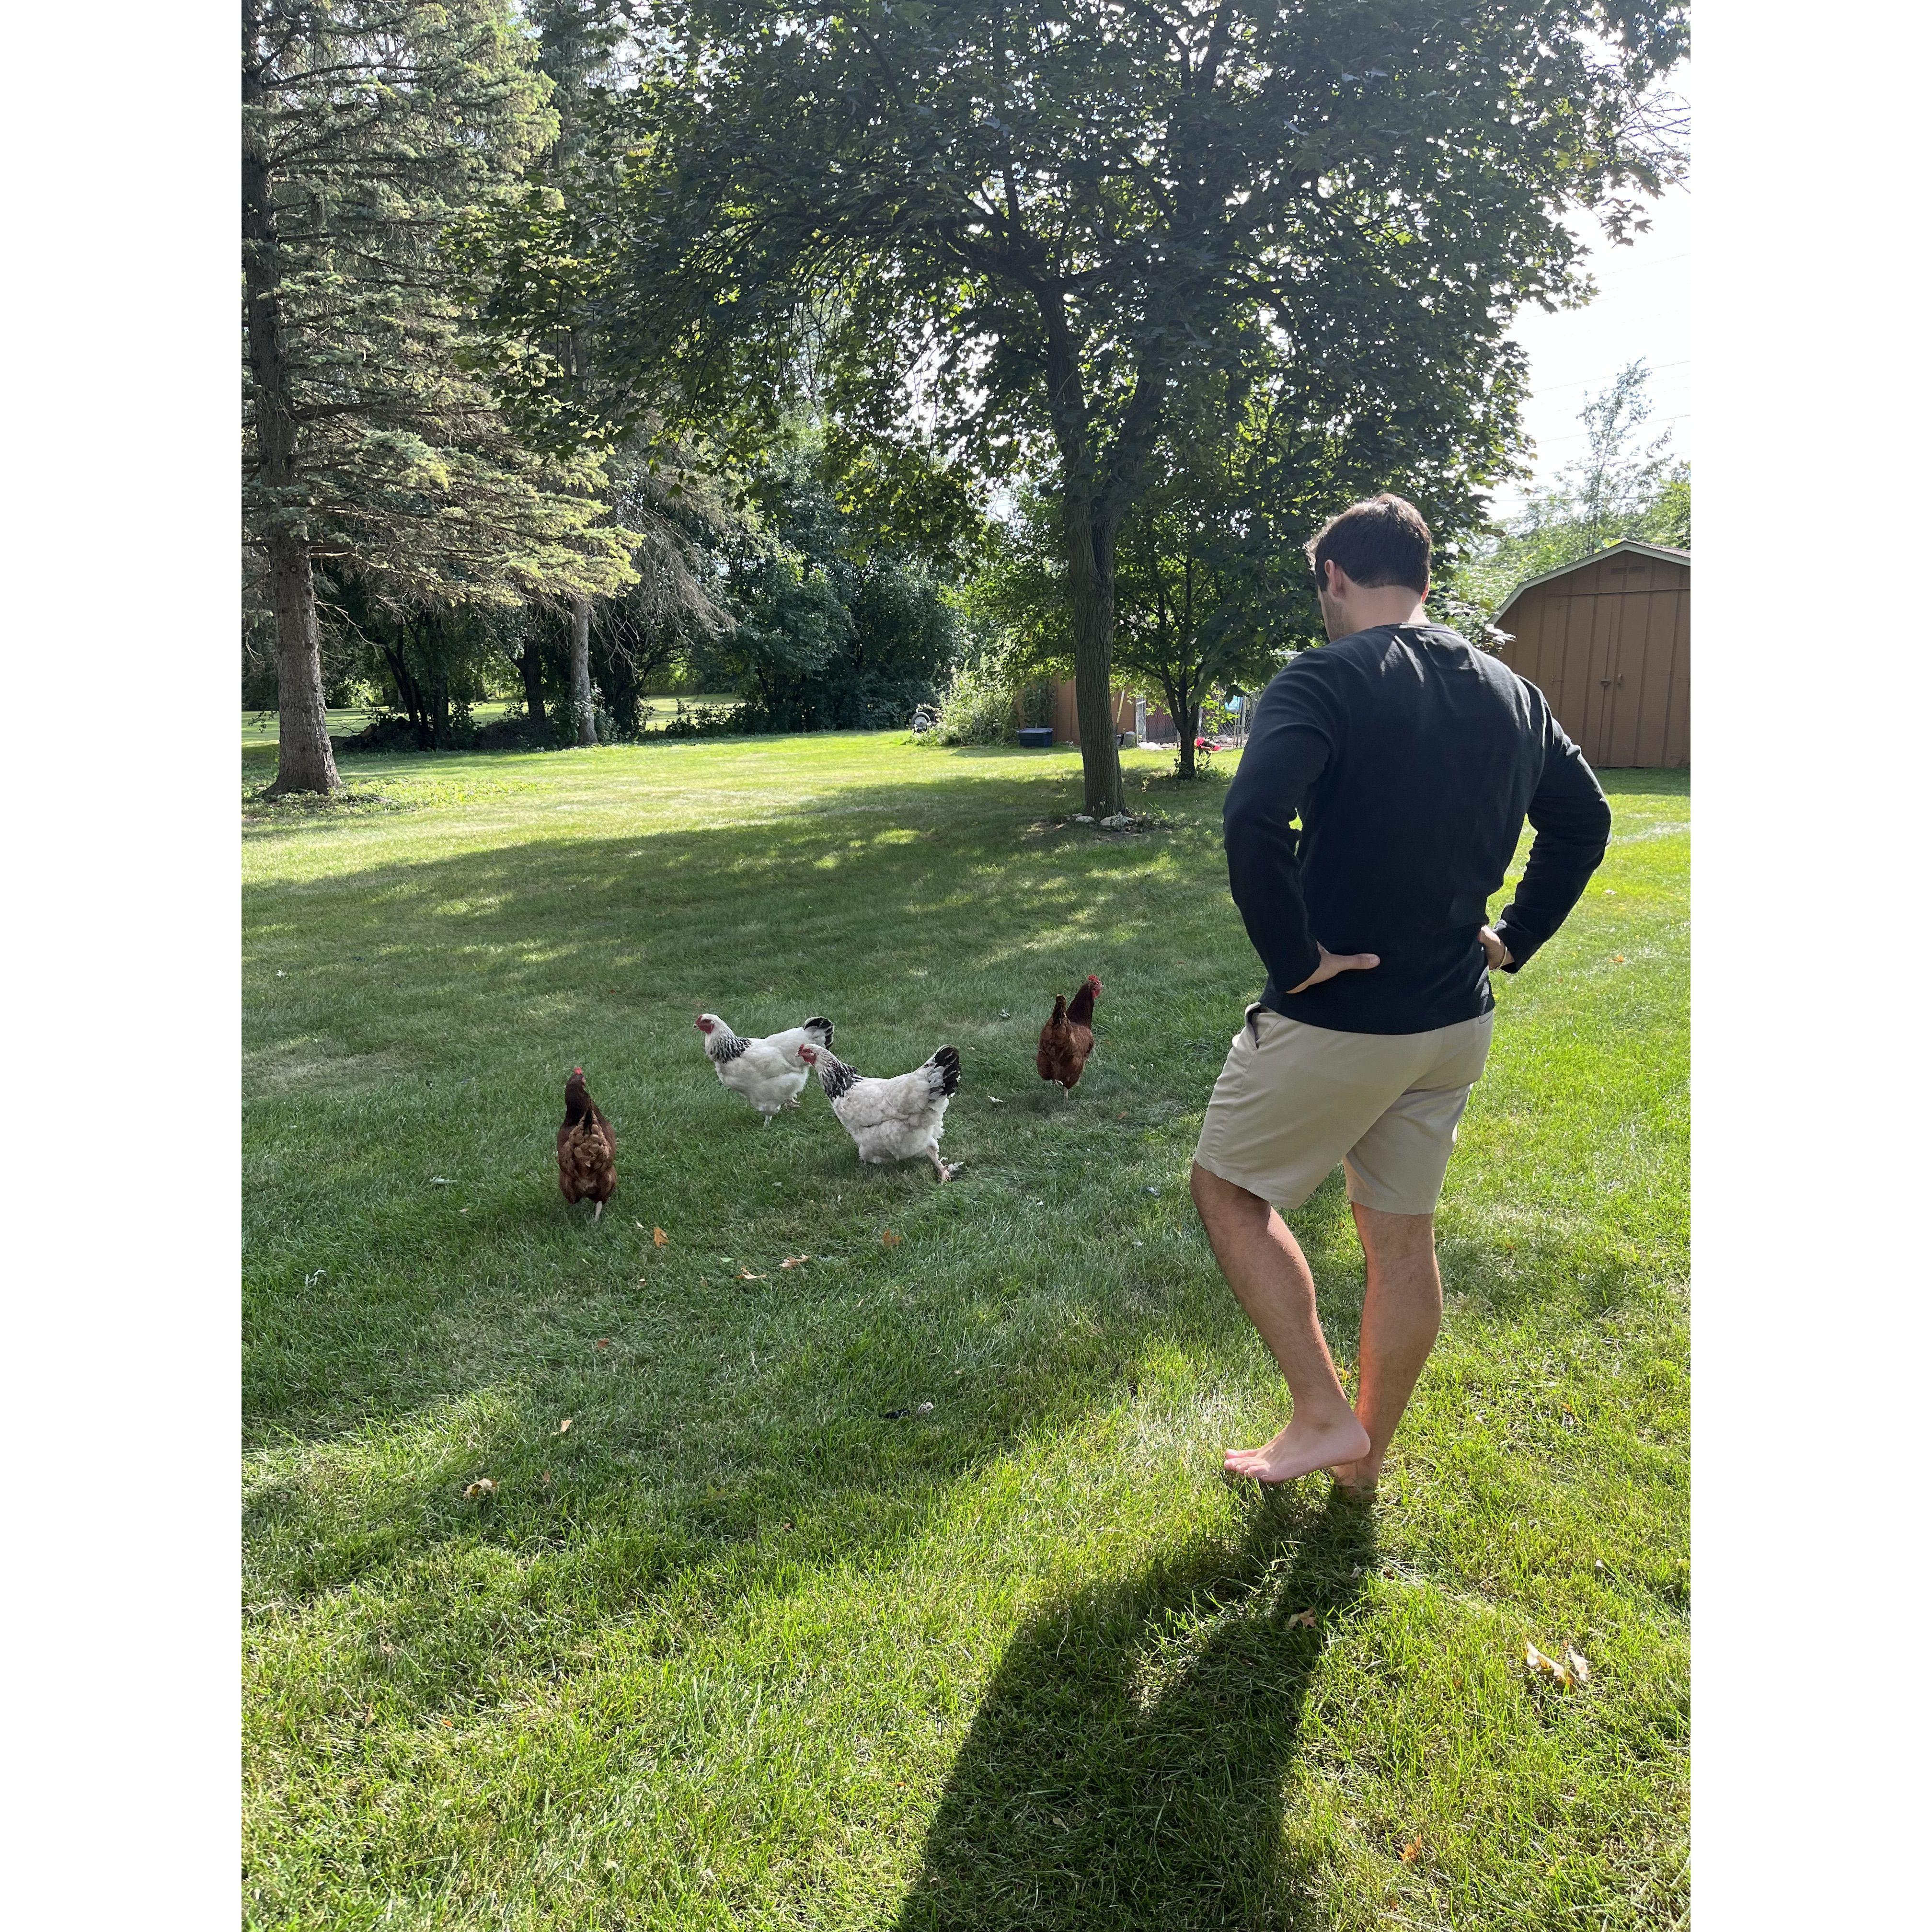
1494,950
1333,963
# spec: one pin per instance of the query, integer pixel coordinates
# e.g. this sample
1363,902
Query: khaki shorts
1293,1099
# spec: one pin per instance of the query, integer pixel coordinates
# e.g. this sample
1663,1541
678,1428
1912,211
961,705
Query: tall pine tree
371,450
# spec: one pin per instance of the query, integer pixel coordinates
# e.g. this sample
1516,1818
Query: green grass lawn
736,1651
259,730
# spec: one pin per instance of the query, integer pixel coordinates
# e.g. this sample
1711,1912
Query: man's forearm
1552,882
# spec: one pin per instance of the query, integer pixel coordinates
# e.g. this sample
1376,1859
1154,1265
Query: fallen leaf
563,1427
745,1274
1539,1665
659,1239
484,1486
794,1261
1579,1668
889,1239
604,1342
1304,1618
1620,958
1409,1851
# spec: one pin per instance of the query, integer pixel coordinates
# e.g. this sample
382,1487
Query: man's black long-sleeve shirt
1412,759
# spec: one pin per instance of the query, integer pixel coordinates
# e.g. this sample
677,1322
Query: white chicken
900,1119
769,1073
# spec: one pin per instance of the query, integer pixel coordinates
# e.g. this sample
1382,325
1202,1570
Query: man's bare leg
1264,1266
1402,1315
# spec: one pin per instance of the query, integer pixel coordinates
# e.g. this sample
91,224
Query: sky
1642,308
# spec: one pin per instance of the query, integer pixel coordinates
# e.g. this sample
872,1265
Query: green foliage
1027,235
1623,486
369,126
426,664
844,624
978,708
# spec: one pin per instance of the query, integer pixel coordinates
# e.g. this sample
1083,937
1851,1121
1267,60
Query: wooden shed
1066,713
1607,640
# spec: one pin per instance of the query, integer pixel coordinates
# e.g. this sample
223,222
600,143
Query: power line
1578,435
1583,381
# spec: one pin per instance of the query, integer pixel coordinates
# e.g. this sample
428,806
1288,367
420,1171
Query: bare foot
1300,1448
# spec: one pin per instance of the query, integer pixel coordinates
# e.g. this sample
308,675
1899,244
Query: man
1412,760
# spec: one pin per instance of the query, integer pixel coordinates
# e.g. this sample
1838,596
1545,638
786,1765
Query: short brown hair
1381,540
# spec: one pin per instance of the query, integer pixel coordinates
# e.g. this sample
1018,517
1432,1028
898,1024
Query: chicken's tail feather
820,1030
947,1060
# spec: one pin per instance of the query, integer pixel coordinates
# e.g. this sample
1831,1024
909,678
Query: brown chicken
1067,1039
586,1149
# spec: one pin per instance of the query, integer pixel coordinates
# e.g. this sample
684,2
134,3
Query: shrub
702,722
977,709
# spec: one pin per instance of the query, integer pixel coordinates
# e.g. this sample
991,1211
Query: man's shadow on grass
1126,1764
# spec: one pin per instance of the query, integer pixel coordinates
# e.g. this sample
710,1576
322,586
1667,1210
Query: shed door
1609,646
1639,673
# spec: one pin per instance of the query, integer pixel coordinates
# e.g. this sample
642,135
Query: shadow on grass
408,1028
1127,1765
409,1266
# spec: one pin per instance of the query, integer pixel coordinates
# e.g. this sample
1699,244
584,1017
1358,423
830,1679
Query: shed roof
1623,547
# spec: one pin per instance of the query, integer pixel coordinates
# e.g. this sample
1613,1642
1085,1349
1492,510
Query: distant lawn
737,1650
259,728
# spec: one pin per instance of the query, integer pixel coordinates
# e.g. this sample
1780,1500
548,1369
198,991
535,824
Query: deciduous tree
1029,226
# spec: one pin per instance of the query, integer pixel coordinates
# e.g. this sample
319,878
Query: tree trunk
408,689
305,760
531,664
1091,576
1181,710
580,671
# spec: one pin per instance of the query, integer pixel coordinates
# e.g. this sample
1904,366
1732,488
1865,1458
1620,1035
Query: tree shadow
1127,1765
410,1266
408,1026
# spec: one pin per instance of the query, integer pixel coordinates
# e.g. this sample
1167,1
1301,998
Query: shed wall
1067,714
1610,646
